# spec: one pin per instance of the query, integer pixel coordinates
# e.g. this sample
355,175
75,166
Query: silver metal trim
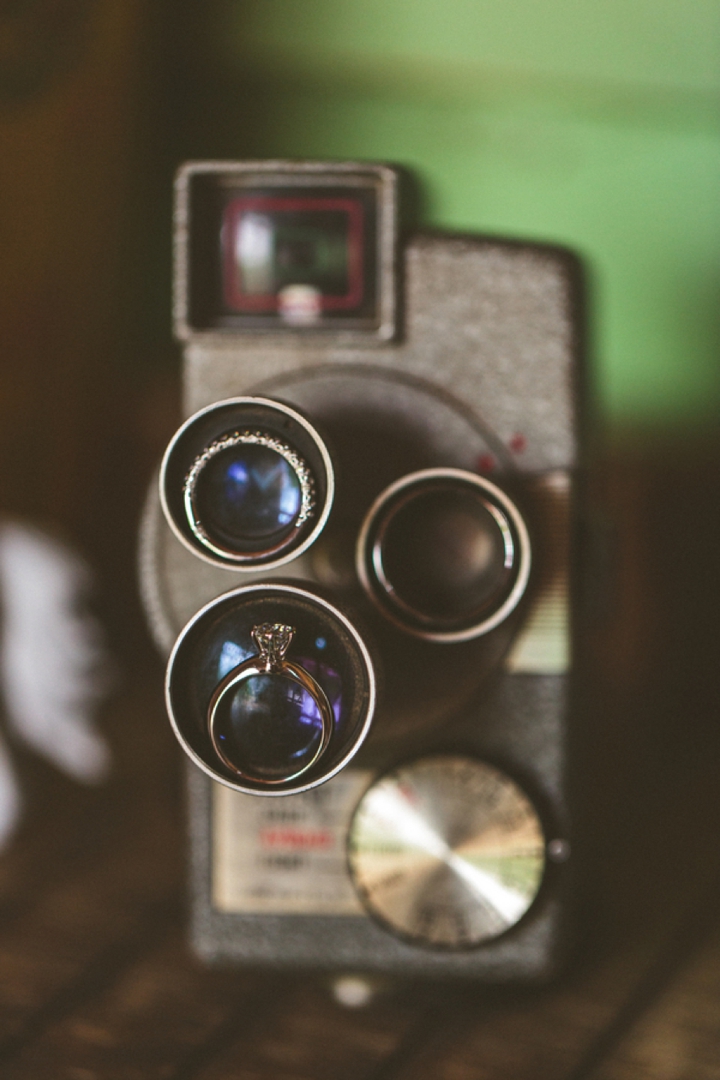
293,590
524,555
226,442
213,555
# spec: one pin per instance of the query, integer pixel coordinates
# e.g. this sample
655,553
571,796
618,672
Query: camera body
446,359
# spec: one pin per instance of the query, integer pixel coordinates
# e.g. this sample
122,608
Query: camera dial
444,554
247,483
446,851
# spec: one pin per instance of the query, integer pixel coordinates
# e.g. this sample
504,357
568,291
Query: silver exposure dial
447,851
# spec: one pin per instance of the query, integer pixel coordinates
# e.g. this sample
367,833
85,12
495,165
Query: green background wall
593,123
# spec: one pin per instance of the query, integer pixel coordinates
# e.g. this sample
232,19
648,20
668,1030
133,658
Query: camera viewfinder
287,247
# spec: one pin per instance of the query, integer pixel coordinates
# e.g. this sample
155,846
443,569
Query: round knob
446,851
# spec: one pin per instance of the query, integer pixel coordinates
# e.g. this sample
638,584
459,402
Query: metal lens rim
292,672
227,442
274,589
378,589
182,530
376,553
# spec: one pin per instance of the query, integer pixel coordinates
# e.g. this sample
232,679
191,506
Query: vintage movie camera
358,561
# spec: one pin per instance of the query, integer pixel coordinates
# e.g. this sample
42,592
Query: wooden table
96,980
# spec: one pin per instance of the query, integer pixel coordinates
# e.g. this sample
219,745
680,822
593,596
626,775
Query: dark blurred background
590,123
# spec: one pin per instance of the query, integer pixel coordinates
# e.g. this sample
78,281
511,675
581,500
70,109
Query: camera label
286,856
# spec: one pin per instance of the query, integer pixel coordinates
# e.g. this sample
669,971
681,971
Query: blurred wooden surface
96,980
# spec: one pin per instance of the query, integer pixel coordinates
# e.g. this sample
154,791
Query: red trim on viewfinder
240,301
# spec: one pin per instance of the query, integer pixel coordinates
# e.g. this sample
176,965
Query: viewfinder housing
286,247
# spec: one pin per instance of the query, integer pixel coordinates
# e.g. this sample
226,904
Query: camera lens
247,483
270,689
249,495
445,554
270,728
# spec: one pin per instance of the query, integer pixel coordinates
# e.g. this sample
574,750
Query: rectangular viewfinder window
296,258
304,247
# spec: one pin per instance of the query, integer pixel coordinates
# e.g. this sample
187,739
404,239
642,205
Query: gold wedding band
272,641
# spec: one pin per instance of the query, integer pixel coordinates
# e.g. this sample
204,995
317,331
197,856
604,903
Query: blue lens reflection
269,727
248,494
328,678
231,655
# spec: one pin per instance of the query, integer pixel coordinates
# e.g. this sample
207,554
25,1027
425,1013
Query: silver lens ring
228,442
513,541
326,636
203,519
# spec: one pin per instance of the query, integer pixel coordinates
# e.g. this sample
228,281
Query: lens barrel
270,689
444,554
247,483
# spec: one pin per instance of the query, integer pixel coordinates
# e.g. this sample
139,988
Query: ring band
273,641
228,442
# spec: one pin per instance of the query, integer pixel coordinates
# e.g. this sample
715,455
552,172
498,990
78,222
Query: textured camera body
476,368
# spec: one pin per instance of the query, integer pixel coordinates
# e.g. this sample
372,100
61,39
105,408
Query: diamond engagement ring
269,720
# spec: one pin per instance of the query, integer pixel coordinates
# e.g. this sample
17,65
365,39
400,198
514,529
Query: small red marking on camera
485,463
297,839
518,443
